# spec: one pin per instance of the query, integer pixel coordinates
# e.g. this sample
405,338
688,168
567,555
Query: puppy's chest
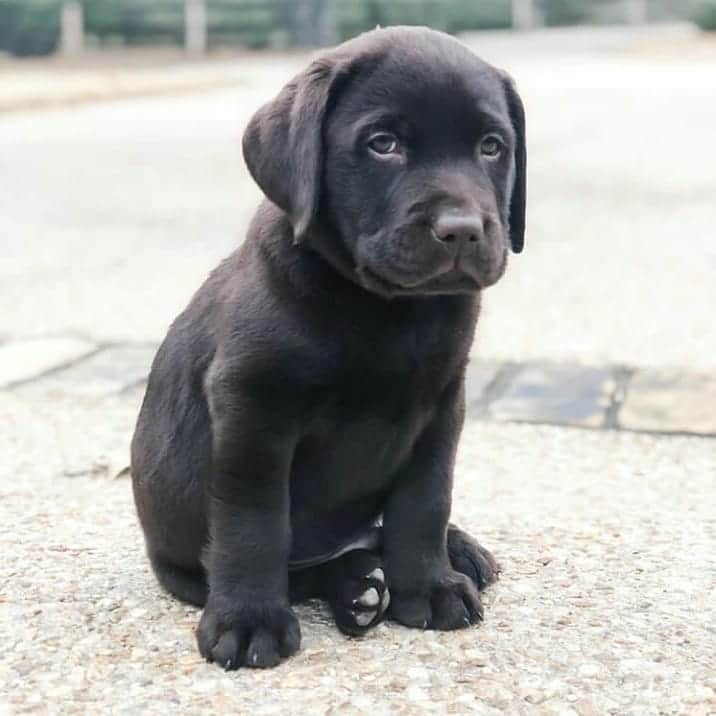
424,351
383,396
362,434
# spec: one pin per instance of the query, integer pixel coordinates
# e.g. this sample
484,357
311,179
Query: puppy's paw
448,602
360,595
471,558
255,635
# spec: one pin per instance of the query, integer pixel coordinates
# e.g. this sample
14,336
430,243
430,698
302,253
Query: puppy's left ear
518,198
283,143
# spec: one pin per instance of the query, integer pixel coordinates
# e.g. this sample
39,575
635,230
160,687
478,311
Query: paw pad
361,595
369,598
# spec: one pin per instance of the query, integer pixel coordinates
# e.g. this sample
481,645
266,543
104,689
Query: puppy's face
418,174
419,187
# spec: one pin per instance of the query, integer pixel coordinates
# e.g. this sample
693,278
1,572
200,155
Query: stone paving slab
563,394
536,392
670,401
24,360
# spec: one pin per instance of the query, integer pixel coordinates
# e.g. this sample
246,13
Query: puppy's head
401,157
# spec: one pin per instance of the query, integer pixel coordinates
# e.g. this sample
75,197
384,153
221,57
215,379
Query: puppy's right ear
283,143
518,198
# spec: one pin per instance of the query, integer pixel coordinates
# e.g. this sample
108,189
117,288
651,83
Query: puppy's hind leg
189,585
352,584
471,558
356,591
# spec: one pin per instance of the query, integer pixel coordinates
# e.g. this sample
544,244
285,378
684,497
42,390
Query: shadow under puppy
299,429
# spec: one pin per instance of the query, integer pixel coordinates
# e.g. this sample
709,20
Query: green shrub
249,23
486,15
705,15
136,21
29,27
356,16
566,12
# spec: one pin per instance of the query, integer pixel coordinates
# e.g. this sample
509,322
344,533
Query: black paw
257,635
471,558
359,595
448,602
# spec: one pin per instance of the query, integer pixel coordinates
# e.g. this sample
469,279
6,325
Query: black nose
456,229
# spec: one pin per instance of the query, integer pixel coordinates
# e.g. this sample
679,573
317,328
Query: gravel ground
607,541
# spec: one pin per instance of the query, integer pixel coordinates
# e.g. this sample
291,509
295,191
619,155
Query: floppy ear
283,143
518,198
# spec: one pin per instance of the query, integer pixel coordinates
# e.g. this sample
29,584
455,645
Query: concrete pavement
605,604
111,215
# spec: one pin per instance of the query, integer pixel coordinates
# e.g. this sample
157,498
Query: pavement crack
622,376
480,408
58,368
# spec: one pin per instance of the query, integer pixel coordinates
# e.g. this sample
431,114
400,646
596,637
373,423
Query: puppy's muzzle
451,251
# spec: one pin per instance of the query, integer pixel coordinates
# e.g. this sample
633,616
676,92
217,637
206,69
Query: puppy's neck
318,266
320,270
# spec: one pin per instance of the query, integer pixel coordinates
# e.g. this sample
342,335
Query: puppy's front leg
247,620
426,592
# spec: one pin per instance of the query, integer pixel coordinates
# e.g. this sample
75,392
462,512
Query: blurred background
122,183
39,27
588,459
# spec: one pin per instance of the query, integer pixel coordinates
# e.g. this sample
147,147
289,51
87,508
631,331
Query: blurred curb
39,84
57,86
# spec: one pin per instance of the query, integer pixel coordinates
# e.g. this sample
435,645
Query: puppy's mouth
434,270
450,281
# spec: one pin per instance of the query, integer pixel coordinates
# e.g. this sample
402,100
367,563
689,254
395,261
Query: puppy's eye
383,143
491,146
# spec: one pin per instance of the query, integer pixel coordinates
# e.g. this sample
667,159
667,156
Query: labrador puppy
300,423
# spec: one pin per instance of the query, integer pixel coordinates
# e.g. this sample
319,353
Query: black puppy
299,429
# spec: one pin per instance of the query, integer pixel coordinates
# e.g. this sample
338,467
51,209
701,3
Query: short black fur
314,384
